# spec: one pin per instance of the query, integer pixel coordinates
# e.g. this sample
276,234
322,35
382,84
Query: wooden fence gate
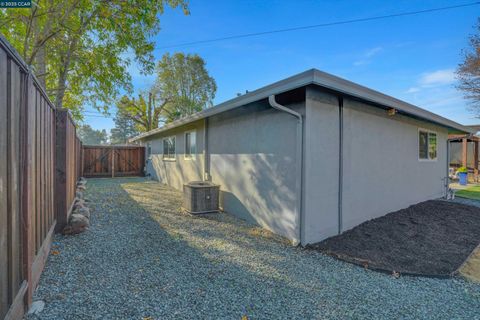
113,161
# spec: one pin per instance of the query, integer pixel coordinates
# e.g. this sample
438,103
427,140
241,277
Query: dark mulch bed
432,238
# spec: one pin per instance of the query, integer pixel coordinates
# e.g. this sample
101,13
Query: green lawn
469,193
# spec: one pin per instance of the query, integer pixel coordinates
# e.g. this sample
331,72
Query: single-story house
308,157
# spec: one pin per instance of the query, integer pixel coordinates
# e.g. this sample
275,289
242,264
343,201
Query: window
190,144
422,145
427,145
169,148
432,145
149,149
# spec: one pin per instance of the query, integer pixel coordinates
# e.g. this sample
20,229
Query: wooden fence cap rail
130,146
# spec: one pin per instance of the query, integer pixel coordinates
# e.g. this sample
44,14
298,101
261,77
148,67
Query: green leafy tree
90,136
142,111
81,49
468,71
183,85
125,128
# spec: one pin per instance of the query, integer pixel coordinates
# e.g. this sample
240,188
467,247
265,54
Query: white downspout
206,154
299,163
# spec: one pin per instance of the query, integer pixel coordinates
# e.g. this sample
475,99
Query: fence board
3,186
37,173
13,190
29,208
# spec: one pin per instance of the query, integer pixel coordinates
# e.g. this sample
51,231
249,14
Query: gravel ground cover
430,238
143,259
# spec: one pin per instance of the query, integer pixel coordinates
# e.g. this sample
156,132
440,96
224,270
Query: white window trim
170,158
192,156
428,145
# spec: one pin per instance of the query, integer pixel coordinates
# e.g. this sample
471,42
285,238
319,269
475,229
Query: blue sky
411,58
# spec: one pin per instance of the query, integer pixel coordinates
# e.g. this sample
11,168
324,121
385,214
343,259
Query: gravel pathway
143,259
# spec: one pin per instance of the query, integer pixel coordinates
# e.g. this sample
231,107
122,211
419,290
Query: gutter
298,165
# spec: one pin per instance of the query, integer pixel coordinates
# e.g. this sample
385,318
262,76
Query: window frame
148,148
428,132
190,156
169,157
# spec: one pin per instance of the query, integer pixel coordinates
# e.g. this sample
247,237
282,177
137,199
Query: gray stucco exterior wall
179,171
253,158
381,171
321,166
251,155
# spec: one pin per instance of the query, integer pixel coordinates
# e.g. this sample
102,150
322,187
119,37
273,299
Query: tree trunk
41,67
62,76
149,111
41,56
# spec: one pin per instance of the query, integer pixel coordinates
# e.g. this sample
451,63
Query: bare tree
468,71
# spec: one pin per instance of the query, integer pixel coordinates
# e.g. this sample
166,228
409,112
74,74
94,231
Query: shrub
462,170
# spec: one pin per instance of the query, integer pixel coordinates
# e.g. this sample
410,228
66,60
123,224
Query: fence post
81,159
112,151
61,210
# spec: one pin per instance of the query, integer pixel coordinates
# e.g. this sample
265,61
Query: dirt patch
431,238
471,268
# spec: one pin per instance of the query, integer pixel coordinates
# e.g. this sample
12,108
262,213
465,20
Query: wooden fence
28,161
113,161
68,165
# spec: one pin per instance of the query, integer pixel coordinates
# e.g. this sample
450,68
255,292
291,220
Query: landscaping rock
36,307
81,187
78,223
79,194
78,203
84,211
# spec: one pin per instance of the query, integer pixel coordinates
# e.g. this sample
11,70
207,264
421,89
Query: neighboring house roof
321,79
474,127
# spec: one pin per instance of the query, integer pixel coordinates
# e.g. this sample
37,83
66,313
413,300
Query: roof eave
297,81
324,80
366,94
